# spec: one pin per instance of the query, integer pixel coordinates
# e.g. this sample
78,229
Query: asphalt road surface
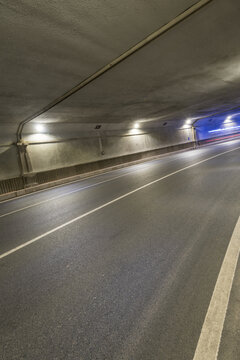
121,265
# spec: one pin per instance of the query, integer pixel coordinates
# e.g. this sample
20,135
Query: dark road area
118,266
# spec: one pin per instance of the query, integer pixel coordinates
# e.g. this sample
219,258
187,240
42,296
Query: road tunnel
106,85
119,179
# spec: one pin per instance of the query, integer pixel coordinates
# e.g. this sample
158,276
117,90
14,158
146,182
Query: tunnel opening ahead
218,128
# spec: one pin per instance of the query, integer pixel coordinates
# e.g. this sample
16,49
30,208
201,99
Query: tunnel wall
62,158
9,167
85,150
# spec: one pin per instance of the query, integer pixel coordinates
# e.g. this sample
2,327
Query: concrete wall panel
9,167
57,155
63,154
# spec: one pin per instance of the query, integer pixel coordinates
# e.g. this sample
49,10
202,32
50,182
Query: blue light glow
224,129
223,125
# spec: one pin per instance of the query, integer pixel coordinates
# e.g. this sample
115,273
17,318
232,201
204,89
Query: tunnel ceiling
48,47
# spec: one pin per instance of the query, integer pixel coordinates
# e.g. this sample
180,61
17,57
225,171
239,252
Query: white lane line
61,195
76,181
143,166
145,163
210,337
111,202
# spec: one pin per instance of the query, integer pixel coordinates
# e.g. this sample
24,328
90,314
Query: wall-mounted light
40,128
188,121
39,134
135,129
228,119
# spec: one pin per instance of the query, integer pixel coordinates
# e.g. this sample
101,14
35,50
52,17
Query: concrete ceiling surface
47,47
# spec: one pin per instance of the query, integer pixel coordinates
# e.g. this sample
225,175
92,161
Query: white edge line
109,203
143,166
70,192
210,337
64,184
61,195
134,163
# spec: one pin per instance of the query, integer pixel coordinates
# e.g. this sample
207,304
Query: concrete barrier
33,182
